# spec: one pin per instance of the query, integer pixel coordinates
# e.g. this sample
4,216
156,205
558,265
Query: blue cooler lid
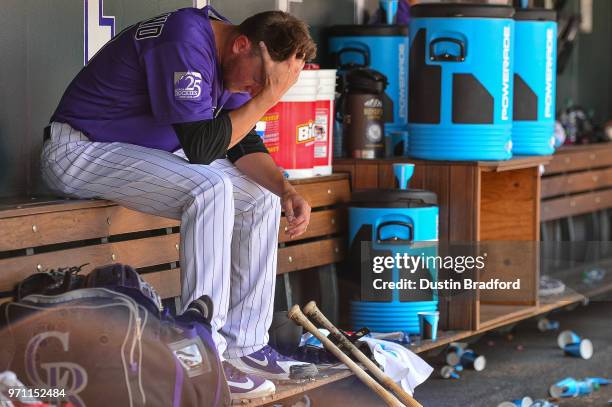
461,10
393,198
382,30
535,14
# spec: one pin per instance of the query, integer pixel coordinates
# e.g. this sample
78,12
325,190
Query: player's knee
269,201
215,187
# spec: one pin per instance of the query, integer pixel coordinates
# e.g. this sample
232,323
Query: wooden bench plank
40,223
68,226
73,225
313,254
43,222
167,283
153,251
319,179
322,223
137,253
21,206
599,155
325,194
575,205
30,206
576,182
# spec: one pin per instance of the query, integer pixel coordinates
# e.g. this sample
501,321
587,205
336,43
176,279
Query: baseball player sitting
160,121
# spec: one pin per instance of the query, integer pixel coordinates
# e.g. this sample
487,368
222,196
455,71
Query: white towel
399,363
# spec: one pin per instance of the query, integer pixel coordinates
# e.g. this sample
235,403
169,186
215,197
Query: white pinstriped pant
229,224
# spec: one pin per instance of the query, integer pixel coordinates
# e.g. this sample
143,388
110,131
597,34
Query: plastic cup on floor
470,359
566,337
582,349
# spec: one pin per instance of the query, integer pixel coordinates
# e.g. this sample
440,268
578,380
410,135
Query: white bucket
299,93
324,122
296,117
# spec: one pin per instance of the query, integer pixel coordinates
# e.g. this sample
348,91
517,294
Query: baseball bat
296,315
313,312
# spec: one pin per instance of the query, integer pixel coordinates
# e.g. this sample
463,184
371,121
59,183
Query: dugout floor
510,373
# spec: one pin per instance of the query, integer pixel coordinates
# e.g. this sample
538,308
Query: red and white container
324,121
288,128
298,130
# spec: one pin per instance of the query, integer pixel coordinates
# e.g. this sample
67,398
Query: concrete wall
41,43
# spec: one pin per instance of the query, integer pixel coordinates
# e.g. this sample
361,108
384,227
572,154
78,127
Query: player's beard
227,70
237,72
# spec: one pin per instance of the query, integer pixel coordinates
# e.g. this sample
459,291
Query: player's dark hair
282,33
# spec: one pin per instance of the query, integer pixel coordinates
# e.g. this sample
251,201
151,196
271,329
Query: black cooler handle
364,53
395,240
446,57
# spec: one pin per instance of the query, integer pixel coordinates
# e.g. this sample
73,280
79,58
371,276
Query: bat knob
310,307
294,312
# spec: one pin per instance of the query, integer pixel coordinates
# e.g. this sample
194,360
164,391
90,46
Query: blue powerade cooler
391,223
383,48
535,74
461,82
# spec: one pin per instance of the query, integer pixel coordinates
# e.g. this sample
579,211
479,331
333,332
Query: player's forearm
245,117
261,168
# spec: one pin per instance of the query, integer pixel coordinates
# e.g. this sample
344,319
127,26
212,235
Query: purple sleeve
403,12
179,79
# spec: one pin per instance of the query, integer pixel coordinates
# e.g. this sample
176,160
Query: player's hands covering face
297,212
279,76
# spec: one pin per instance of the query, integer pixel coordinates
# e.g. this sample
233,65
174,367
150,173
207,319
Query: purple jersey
160,71
403,13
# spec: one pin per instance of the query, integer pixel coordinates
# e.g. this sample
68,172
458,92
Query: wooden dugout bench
576,215
43,234
39,234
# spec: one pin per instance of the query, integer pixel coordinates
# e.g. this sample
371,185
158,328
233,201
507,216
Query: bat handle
312,311
298,317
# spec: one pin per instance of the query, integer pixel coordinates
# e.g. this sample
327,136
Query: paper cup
542,403
582,349
567,337
545,324
390,7
598,380
428,324
447,372
470,359
524,402
403,172
453,353
570,387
